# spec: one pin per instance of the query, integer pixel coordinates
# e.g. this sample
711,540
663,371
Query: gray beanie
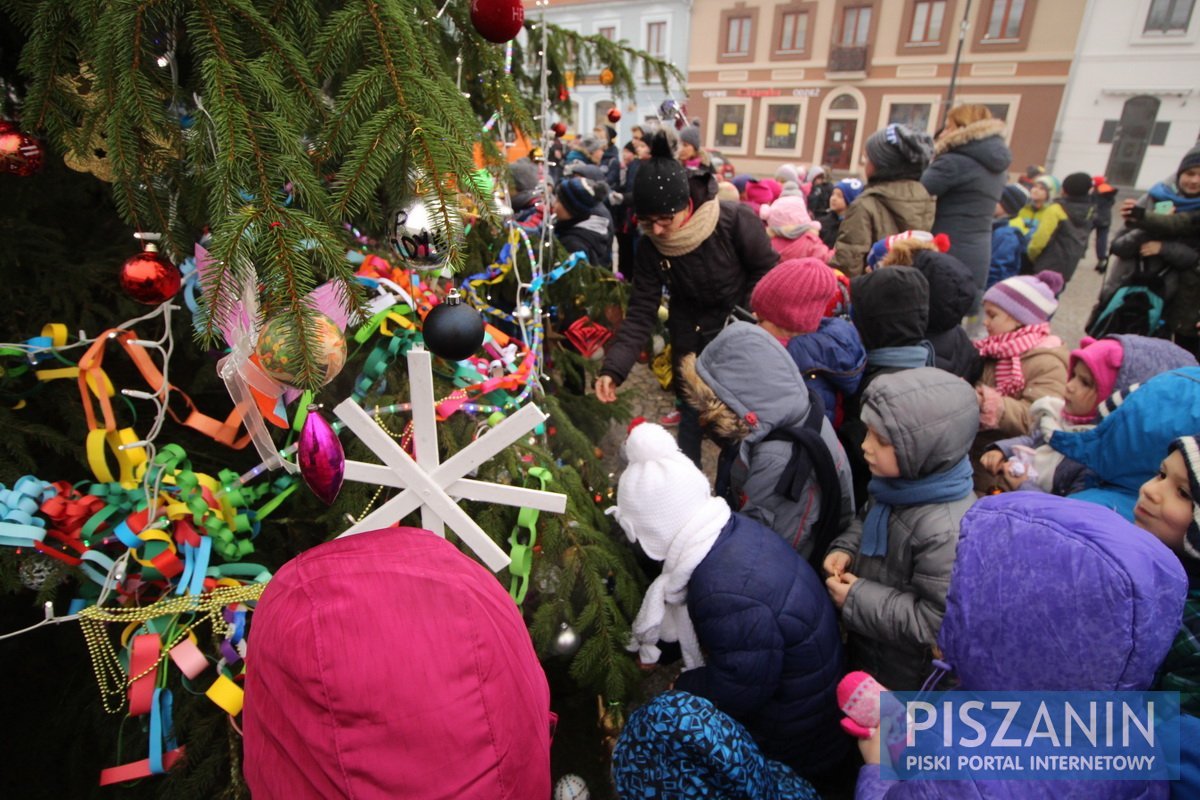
690,135
899,152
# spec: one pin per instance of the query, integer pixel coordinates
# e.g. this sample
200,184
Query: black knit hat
579,196
661,185
899,151
890,307
1077,184
1190,159
1013,198
1189,447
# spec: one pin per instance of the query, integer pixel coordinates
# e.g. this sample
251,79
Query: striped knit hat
1189,446
1029,299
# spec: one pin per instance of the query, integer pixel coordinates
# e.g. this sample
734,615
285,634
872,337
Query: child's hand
1126,206
1151,249
839,587
836,563
992,461
1011,480
870,747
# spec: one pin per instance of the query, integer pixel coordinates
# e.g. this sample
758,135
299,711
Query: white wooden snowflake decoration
434,486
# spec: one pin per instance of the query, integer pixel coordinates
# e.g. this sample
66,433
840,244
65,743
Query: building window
608,32
656,39
856,26
737,36
1169,16
1158,136
730,130
793,32
914,115
927,22
782,126
1004,24
844,102
999,110
1108,131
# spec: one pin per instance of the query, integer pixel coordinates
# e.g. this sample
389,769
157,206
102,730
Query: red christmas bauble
150,278
559,129
614,115
563,94
20,153
497,20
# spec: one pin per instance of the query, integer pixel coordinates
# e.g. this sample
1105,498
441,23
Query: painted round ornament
453,330
150,277
607,76
20,153
497,21
321,457
614,115
571,787
559,129
278,349
420,234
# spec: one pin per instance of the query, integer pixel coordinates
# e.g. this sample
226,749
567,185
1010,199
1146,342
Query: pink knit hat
1103,358
788,217
794,294
1029,299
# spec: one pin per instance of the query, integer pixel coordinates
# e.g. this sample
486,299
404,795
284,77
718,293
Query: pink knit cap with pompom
788,217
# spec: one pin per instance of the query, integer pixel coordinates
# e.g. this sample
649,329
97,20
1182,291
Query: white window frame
747,104
866,37
763,113
647,21
1138,35
934,101
614,23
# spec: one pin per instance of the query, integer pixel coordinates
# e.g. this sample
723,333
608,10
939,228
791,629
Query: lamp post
962,35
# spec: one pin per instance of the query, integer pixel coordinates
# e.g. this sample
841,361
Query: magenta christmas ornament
497,20
322,460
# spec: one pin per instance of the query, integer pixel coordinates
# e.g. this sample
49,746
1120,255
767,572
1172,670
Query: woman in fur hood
967,175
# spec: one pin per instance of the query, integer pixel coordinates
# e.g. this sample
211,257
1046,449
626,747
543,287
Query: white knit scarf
664,613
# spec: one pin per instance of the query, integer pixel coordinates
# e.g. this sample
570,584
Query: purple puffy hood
1055,594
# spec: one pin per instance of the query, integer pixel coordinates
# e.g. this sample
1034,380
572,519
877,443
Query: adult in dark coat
968,173
709,255
758,633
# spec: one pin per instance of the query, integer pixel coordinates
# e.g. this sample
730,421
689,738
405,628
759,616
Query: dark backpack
1135,308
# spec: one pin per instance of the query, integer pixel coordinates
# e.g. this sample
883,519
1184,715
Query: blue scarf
909,357
1163,191
940,487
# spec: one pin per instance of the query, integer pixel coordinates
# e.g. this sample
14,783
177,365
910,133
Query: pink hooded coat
386,665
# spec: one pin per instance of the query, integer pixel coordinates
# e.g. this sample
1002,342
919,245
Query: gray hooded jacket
750,373
894,610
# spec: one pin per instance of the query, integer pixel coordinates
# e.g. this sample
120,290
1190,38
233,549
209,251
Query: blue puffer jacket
1051,594
832,359
1127,447
771,643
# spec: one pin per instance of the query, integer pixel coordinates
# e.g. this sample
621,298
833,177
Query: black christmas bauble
453,330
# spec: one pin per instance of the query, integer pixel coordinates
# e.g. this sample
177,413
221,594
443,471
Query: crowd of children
903,462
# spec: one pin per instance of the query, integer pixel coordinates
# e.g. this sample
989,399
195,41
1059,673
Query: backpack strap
809,454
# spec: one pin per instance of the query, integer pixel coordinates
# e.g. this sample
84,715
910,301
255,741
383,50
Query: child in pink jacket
794,233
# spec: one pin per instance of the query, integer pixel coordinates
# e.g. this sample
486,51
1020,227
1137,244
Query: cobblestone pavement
650,401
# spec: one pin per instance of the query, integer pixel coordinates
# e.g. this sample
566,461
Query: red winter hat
794,294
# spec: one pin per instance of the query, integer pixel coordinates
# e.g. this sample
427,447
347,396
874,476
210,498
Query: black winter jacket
1069,242
967,176
705,285
592,234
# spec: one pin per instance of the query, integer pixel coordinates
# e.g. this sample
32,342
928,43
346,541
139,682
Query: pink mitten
858,698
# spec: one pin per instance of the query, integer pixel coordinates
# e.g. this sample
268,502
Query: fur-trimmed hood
745,385
976,131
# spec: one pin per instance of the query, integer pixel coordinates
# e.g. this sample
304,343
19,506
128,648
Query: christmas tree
287,136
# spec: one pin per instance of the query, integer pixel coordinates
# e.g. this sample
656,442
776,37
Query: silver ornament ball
420,235
567,640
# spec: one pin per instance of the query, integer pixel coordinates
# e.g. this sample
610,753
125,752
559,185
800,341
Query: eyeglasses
663,219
